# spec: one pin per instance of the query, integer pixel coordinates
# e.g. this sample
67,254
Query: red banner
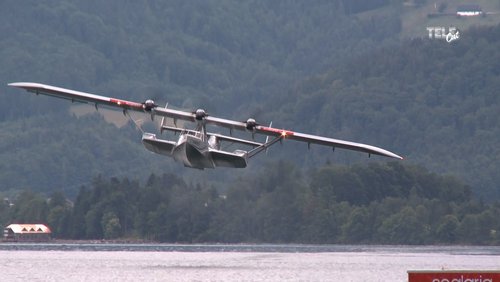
454,276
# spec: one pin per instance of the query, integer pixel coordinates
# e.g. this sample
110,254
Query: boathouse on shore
27,233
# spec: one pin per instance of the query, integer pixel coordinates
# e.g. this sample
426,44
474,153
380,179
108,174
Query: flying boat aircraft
197,148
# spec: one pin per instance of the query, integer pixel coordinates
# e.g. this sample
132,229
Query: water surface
150,262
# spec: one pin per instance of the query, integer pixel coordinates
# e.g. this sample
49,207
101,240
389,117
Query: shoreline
142,246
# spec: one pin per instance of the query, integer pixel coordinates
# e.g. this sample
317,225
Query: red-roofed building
27,232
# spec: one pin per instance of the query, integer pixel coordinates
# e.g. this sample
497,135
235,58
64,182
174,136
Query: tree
447,230
5,212
111,226
93,224
403,228
359,226
478,228
81,207
29,208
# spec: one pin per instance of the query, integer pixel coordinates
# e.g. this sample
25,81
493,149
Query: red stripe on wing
123,103
277,131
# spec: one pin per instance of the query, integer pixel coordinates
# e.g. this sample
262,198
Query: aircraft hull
193,152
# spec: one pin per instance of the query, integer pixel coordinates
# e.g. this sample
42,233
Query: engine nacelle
200,114
149,105
251,124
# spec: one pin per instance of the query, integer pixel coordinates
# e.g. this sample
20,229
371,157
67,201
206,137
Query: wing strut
264,146
136,122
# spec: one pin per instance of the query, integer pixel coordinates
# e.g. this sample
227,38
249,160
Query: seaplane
197,148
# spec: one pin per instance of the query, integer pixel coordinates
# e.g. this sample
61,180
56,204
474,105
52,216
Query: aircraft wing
250,125
82,97
308,138
77,96
336,143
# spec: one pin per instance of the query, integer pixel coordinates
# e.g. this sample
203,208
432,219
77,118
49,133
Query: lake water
142,262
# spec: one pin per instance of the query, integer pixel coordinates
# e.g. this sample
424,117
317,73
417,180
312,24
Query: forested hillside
215,52
390,204
315,67
333,68
231,58
435,103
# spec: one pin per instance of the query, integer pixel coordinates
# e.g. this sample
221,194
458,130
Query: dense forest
231,58
334,68
375,203
435,103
